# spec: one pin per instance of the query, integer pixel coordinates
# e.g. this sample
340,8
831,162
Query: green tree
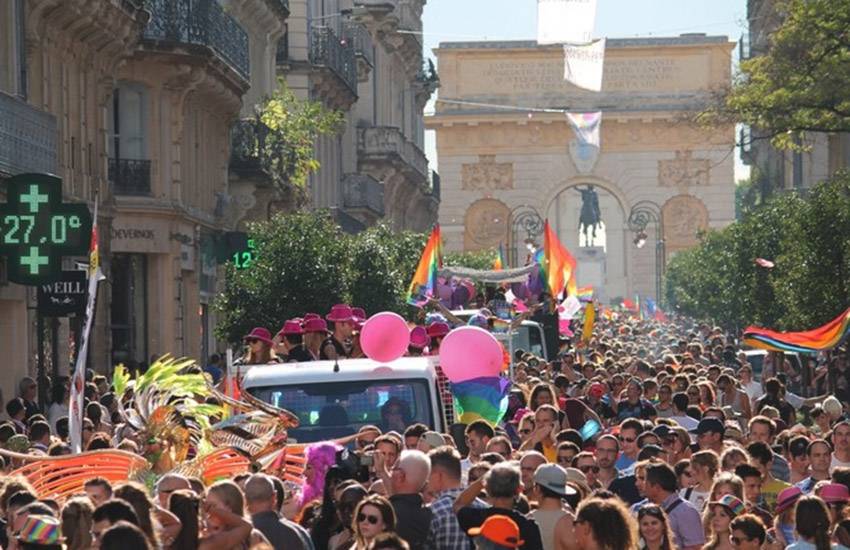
478,259
286,129
382,267
802,82
300,265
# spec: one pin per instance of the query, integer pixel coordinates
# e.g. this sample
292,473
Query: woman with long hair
136,495
813,525
704,465
605,524
654,528
77,522
718,517
187,507
373,515
224,519
259,346
326,524
542,394
60,398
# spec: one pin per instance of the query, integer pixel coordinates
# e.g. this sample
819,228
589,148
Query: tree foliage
289,128
807,239
802,82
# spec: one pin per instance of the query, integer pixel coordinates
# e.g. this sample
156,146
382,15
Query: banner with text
565,21
586,126
583,65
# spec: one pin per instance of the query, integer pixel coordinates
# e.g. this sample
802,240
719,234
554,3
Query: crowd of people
647,434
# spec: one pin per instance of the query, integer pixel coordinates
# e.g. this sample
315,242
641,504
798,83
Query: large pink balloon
385,337
470,352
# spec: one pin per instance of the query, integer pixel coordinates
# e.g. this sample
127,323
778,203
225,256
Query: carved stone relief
488,175
684,171
486,224
684,217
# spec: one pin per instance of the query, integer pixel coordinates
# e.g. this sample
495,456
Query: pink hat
519,414
315,325
340,313
359,314
308,316
291,328
438,329
834,492
419,338
787,497
260,333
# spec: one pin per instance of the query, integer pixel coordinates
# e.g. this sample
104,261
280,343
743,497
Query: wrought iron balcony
248,145
363,192
130,177
200,23
327,50
388,144
28,138
358,36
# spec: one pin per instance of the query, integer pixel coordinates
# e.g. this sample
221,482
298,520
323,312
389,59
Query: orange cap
499,529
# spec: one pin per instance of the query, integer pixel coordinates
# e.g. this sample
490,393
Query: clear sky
470,20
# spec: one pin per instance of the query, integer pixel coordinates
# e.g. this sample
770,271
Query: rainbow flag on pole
827,337
425,277
585,294
557,264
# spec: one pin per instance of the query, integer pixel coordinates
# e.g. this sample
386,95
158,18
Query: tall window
127,122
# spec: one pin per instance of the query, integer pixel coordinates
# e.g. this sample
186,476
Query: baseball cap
709,425
499,529
554,478
40,530
433,439
662,431
733,504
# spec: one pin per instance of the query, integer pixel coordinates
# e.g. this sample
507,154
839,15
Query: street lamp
640,216
527,219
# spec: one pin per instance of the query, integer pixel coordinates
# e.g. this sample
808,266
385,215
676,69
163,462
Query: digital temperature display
37,229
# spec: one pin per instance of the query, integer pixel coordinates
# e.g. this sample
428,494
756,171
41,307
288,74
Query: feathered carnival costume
320,458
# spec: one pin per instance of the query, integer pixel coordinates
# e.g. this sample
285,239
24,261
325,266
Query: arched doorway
603,259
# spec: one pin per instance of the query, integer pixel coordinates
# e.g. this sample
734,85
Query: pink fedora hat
438,329
359,314
340,313
419,338
259,333
292,328
315,325
308,316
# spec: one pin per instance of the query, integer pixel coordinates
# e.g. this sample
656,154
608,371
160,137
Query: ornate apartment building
775,170
139,104
365,58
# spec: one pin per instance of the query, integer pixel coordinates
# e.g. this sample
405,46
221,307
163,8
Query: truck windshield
330,410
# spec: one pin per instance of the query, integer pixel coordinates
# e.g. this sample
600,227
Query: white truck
334,399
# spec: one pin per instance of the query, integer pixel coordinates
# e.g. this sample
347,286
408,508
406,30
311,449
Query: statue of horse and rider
590,217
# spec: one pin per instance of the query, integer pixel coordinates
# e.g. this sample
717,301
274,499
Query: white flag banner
583,65
78,382
586,126
565,21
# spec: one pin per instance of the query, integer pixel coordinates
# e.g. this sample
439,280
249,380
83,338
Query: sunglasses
251,341
371,519
626,439
525,431
589,468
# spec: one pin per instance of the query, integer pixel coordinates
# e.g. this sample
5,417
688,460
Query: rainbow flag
557,265
827,337
425,278
499,263
481,398
585,293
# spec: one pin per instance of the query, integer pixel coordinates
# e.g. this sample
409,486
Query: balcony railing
130,176
361,191
388,142
326,50
248,145
28,138
200,23
358,36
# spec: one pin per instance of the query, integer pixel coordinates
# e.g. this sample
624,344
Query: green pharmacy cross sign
37,229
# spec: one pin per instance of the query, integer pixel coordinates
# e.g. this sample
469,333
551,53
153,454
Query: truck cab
334,399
